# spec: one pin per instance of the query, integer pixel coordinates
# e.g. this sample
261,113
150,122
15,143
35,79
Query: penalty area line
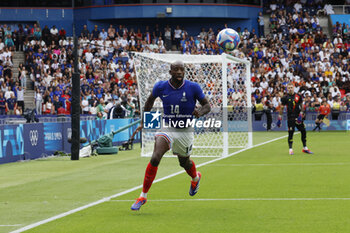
36,224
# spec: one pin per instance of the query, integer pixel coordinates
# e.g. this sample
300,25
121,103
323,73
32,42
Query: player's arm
149,103
204,109
301,113
280,112
135,132
148,107
199,95
302,106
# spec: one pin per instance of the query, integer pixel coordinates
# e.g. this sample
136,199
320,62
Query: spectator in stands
93,108
54,33
2,45
20,38
20,97
297,42
167,37
95,33
100,116
62,34
8,92
37,33
2,104
61,110
85,105
38,101
7,67
49,107
103,35
328,9
101,107
111,32
85,32
46,35
261,25
22,73
177,36
336,108
56,104
11,104
297,6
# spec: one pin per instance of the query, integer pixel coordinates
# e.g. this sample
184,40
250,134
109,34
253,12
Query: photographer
130,107
269,109
116,111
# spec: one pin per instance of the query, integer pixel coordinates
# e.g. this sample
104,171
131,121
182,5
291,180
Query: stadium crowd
297,50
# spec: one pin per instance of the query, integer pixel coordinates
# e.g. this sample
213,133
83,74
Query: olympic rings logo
34,137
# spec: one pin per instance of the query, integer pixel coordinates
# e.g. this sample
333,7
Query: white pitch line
280,164
130,190
248,199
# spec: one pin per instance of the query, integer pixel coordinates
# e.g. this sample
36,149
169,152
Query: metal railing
341,9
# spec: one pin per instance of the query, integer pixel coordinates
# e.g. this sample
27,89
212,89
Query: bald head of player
177,72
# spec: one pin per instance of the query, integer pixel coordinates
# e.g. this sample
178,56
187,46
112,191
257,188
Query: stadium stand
296,49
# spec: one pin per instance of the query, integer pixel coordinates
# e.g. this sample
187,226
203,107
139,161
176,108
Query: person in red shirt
61,110
66,95
324,110
67,101
62,34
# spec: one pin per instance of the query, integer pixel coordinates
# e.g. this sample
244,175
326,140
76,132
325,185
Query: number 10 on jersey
174,109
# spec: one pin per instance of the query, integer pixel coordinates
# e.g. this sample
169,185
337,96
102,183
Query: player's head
290,88
177,71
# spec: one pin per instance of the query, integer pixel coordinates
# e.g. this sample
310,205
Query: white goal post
225,81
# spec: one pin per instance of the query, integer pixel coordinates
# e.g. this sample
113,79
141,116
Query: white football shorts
179,140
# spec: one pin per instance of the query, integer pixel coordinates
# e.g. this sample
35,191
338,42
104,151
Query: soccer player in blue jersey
179,98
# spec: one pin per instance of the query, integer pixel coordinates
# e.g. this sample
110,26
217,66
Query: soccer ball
228,39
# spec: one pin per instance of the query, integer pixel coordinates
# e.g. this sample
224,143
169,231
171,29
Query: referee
295,117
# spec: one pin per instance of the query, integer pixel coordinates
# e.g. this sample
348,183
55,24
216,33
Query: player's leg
161,146
182,147
301,128
318,122
188,165
291,126
191,170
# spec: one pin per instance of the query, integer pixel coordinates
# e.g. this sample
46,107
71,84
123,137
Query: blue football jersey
178,103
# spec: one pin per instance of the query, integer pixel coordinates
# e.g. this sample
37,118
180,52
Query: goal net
225,81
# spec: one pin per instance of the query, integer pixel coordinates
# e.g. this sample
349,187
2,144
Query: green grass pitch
262,189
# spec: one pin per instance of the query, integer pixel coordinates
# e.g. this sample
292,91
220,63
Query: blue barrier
343,122
31,141
340,18
309,125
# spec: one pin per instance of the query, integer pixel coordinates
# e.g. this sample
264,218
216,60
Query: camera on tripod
128,145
